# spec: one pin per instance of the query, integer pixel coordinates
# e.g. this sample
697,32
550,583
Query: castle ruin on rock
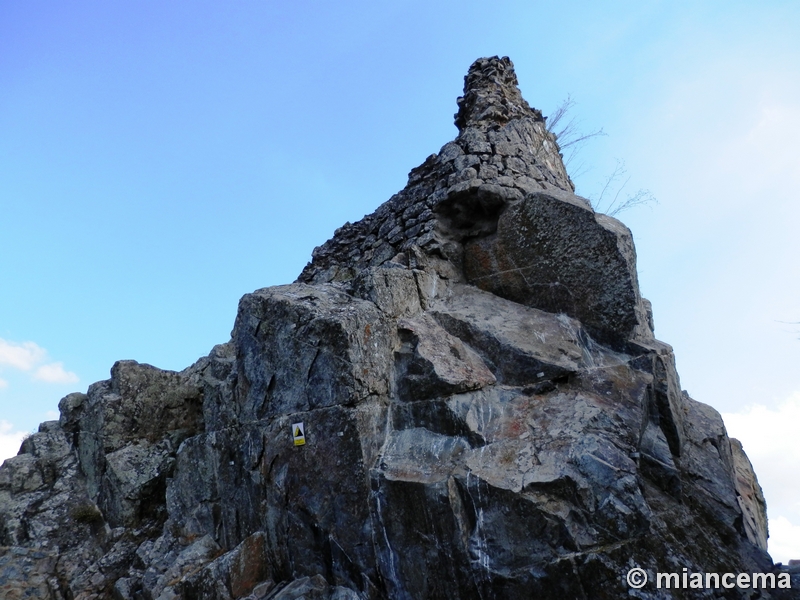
487,414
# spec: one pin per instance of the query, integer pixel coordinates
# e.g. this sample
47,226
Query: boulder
552,252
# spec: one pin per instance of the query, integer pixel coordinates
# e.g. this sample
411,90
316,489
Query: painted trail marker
299,434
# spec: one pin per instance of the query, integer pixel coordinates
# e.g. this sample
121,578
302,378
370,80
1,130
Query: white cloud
22,356
9,440
784,540
27,356
767,432
55,373
769,437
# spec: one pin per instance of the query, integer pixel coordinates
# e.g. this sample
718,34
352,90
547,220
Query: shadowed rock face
486,411
553,253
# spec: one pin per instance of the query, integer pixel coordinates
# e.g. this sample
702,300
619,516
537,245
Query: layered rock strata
486,411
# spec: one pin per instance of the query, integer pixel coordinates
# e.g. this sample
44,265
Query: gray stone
750,497
521,345
555,254
303,347
394,291
431,362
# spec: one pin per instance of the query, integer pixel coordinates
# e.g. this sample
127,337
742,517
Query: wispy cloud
769,436
29,356
55,373
9,440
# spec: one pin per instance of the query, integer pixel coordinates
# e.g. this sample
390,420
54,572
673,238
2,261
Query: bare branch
618,172
569,135
613,208
558,114
640,198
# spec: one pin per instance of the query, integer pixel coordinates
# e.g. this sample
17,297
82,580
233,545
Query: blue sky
159,160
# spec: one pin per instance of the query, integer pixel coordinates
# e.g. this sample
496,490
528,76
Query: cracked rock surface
487,414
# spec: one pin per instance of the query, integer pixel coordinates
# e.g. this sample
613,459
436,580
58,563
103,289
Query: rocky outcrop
490,202
486,414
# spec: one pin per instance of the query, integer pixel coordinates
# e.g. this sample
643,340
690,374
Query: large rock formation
486,415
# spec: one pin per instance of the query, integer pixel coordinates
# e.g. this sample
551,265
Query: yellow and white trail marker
299,434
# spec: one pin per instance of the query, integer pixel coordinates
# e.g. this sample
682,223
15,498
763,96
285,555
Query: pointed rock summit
485,413
495,209
492,96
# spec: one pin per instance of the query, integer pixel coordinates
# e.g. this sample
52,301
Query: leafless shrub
568,134
611,200
612,206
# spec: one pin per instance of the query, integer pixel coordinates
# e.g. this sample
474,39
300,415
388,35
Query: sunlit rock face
486,414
